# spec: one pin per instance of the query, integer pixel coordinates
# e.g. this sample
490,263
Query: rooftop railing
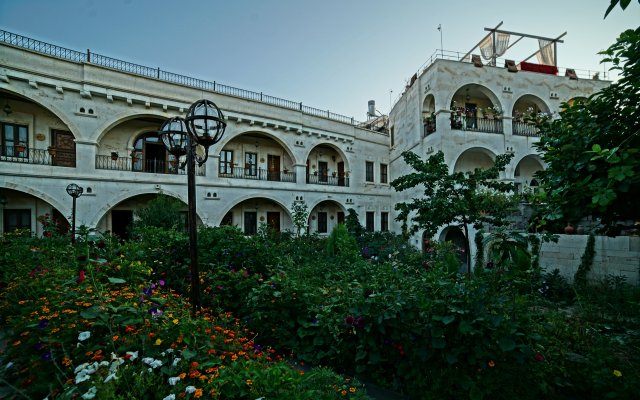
156,73
440,54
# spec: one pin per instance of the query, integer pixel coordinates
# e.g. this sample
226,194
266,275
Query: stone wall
617,256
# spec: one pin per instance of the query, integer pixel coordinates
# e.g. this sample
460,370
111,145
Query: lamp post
204,125
74,191
3,203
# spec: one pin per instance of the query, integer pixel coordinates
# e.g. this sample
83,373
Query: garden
289,317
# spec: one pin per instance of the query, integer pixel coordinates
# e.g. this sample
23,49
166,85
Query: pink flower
539,357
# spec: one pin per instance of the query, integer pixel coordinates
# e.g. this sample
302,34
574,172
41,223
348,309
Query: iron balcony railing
475,124
330,180
156,73
25,155
257,174
140,165
524,129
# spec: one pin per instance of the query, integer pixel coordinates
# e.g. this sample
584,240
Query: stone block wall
617,256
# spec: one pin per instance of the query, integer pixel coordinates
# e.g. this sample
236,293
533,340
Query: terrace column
86,156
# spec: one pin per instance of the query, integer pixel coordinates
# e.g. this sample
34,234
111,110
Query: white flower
175,362
9,365
151,362
91,393
84,335
170,397
110,377
190,389
173,380
132,355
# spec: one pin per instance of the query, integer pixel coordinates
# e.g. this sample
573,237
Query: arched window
150,155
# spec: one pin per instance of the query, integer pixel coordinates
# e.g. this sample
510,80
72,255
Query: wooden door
120,221
65,145
341,180
250,222
323,172
273,220
273,168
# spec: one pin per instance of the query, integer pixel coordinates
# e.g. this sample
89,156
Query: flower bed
78,325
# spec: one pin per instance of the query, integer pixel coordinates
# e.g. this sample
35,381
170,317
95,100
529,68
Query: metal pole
193,234
441,47
73,221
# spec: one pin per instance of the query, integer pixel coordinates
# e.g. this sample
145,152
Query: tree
591,150
623,4
300,215
475,198
161,212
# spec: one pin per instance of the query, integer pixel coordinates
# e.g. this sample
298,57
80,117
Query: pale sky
330,54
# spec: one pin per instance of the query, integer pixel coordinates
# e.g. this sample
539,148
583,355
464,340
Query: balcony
525,129
257,174
25,155
153,166
320,179
475,124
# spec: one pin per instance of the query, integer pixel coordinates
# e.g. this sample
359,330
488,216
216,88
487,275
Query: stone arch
334,158
455,235
524,172
259,132
128,115
326,206
529,104
469,92
37,202
50,106
259,202
474,157
119,198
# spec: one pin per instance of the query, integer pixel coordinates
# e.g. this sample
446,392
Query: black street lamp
204,126
74,191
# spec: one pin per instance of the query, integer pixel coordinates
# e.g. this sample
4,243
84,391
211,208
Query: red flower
81,276
539,357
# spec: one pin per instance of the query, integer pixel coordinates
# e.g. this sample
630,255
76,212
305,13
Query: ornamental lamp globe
205,122
174,135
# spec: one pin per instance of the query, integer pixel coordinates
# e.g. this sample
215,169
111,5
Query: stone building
75,117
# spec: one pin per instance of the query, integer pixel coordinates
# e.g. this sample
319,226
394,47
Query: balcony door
273,167
65,146
323,171
341,180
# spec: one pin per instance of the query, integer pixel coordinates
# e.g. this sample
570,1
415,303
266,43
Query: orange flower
491,364
352,389
198,393
344,392
182,375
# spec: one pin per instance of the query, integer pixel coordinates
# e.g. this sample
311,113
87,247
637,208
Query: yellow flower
158,342
176,321
249,382
352,389
617,373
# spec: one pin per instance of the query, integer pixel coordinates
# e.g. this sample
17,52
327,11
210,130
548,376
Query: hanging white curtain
486,47
546,54
502,43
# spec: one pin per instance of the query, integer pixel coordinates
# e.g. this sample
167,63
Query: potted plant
114,155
